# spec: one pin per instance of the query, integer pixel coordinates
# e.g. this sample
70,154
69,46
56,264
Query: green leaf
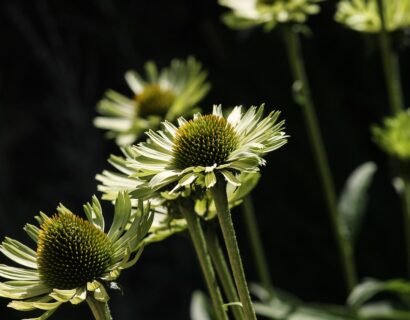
383,310
368,289
200,306
353,200
280,310
287,307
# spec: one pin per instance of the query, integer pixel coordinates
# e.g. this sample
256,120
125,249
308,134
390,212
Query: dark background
58,57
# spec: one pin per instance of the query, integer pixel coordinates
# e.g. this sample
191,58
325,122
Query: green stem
198,239
304,98
406,216
225,221
222,269
256,243
100,310
390,65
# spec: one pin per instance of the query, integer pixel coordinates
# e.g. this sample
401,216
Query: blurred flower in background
269,13
393,137
165,94
363,15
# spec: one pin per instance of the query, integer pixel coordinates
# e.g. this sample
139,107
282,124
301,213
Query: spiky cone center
71,251
204,141
154,100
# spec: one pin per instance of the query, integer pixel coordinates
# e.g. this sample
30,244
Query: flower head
167,94
167,221
363,15
394,136
194,152
247,13
75,257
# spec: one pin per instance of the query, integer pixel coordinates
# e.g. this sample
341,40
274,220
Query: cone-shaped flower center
205,141
71,251
154,100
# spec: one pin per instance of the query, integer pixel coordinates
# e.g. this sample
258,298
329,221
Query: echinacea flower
164,94
269,13
166,222
363,15
394,136
75,258
194,152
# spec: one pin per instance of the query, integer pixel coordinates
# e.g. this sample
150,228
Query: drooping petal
14,273
22,289
19,253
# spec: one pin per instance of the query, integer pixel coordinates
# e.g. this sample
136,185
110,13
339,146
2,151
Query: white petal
235,116
134,81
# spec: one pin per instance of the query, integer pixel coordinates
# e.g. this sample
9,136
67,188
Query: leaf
353,200
200,306
383,310
287,307
368,289
280,310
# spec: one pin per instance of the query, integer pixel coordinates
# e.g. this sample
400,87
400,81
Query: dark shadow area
58,58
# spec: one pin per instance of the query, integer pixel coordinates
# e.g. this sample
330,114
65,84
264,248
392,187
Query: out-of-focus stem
390,65
406,215
223,271
304,99
198,239
251,226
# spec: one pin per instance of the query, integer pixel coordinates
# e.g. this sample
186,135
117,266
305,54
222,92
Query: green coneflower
75,258
364,16
192,153
206,154
172,92
165,223
269,13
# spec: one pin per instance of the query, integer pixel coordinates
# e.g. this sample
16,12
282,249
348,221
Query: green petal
138,229
230,178
163,178
80,295
18,273
94,213
210,179
19,253
32,231
22,289
132,262
135,81
31,305
63,295
121,216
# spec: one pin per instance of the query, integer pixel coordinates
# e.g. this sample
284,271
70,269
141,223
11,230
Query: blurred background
58,57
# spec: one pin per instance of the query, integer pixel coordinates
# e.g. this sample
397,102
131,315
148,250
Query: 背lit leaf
353,199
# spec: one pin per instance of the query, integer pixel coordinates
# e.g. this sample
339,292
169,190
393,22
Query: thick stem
406,217
223,271
256,243
198,239
100,310
225,221
304,98
390,65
